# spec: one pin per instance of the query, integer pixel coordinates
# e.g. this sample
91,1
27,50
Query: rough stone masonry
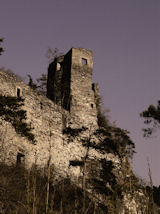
70,102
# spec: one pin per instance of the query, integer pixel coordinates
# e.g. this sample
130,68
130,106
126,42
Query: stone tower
70,85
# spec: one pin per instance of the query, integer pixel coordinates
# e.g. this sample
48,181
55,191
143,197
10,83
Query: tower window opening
84,61
92,105
58,66
93,87
41,105
18,92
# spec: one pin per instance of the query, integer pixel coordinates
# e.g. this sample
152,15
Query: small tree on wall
11,111
40,84
51,54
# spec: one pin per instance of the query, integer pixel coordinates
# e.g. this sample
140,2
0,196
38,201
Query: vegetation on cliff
102,176
24,192
40,85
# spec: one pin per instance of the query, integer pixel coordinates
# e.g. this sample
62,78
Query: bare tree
53,53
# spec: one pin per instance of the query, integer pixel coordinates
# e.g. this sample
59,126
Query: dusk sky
124,36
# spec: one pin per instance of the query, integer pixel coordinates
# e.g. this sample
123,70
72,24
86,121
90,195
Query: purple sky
124,36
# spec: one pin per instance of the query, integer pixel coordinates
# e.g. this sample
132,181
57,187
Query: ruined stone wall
68,81
83,103
43,115
54,80
70,85
48,121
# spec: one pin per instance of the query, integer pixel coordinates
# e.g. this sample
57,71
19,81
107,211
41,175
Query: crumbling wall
66,81
48,121
54,80
70,85
44,116
71,103
83,102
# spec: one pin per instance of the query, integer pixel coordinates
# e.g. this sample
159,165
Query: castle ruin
70,102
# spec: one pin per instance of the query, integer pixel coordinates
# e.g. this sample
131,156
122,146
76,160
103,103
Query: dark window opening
93,87
76,163
84,61
18,92
92,105
41,105
20,158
